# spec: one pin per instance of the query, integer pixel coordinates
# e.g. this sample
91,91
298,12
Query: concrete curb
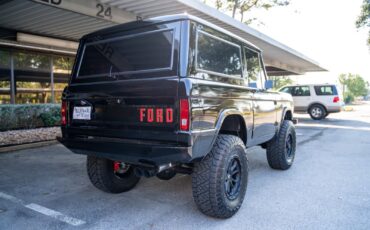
347,108
27,146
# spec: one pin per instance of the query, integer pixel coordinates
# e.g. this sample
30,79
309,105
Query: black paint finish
115,130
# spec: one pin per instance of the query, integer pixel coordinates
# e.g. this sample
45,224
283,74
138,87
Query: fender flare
285,110
225,113
222,116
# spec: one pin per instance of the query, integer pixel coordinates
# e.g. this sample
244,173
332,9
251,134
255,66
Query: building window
62,70
4,77
32,77
38,78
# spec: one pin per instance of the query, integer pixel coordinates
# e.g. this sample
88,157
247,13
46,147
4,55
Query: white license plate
82,113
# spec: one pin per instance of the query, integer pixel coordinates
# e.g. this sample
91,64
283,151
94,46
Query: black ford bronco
170,95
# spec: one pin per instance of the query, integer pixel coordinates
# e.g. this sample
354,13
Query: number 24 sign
103,11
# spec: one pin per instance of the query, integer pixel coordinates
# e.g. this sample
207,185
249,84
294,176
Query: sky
323,30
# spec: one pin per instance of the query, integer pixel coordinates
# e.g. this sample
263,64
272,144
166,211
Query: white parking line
43,210
11,198
55,214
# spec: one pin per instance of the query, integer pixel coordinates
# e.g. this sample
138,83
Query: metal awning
68,19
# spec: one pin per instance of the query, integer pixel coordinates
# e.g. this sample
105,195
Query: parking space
328,187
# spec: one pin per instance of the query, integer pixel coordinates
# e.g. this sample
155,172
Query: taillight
184,115
336,99
64,113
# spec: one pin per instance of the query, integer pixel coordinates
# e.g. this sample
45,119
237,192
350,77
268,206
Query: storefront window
62,70
4,77
32,76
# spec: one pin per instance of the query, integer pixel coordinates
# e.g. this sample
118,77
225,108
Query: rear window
218,56
326,90
138,53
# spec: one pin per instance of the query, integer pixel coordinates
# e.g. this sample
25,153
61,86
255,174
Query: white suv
316,100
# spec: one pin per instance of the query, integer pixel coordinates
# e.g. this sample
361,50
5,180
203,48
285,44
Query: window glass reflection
4,77
218,56
127,55
32,75
286,90
324,90
253,65
300,91
62,70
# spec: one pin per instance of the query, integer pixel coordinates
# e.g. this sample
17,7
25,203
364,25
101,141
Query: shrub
27,116
348,98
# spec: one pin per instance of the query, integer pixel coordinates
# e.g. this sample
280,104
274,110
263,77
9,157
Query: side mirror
269,84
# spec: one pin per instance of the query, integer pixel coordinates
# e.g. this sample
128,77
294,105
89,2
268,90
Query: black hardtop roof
165,19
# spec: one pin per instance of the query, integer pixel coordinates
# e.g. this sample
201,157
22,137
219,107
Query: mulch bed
16,137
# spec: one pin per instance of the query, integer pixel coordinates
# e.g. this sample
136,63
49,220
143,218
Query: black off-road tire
102,176
317,112
281,149
210,179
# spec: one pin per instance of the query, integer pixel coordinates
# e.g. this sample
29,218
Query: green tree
280,82
343,80
358,86
240,7
363,19
219,4
353,85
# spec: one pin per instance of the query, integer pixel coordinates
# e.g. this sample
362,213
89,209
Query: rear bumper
141,152
334,109
134,152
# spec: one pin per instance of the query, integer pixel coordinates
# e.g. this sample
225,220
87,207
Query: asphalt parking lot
328,187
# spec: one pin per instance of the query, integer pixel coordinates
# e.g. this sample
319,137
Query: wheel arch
231,121
225,118
287,115
235,125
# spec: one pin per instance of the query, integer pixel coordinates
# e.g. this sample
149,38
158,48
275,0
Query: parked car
318,100
172,95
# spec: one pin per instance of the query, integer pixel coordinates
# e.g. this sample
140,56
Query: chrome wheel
316,112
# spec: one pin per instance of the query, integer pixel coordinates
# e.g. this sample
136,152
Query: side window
217,55
286,90
255,74
301,91
325,90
